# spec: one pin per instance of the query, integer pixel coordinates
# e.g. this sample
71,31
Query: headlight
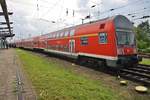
119,51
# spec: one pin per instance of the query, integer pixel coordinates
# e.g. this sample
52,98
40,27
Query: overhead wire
112,9
116,8
141,5
138,12
78,11
133,2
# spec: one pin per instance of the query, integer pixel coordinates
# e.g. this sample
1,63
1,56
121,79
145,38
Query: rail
140,73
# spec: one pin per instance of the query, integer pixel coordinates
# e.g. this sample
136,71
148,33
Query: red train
109,41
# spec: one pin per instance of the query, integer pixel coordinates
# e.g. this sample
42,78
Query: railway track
140,73
144,55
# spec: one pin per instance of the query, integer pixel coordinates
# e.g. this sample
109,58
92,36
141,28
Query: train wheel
102,64
81,61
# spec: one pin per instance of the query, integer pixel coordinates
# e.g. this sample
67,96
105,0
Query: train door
71,46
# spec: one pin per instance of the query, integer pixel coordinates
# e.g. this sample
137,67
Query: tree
143,36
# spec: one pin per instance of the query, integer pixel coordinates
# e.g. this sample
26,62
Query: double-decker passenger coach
110,41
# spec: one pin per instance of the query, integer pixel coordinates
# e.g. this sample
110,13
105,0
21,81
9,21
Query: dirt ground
9,67
127,92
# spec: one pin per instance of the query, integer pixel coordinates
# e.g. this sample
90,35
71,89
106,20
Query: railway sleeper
142,80
139,70
147,67
135,73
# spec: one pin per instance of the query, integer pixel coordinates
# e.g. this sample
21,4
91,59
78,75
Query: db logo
127,50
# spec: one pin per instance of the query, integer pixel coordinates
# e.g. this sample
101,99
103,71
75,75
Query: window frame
50,35
62,34
55,35
105,37
59,35
66,34
72,32
130,36
82,41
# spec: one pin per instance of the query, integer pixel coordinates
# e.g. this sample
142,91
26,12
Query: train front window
125,38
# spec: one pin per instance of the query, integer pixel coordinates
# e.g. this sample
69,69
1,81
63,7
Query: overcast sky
30,19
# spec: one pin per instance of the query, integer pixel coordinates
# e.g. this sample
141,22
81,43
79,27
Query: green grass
53,82
145,61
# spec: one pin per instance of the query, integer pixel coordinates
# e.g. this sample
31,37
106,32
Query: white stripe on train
75,55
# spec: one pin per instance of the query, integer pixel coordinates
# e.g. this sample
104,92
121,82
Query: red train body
110,41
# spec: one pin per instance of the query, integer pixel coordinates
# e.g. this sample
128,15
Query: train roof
120,22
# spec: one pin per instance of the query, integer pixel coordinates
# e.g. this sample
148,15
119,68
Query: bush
147,50
142,44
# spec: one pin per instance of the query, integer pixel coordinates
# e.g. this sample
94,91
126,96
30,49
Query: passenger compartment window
66,33
103,38
53,35
57,34
84,40
72,32
49,36
61,34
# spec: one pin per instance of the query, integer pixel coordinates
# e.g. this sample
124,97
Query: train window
62,34
50,36
59,34
66,33
84,40
126,38
55,35
72,32
102,37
